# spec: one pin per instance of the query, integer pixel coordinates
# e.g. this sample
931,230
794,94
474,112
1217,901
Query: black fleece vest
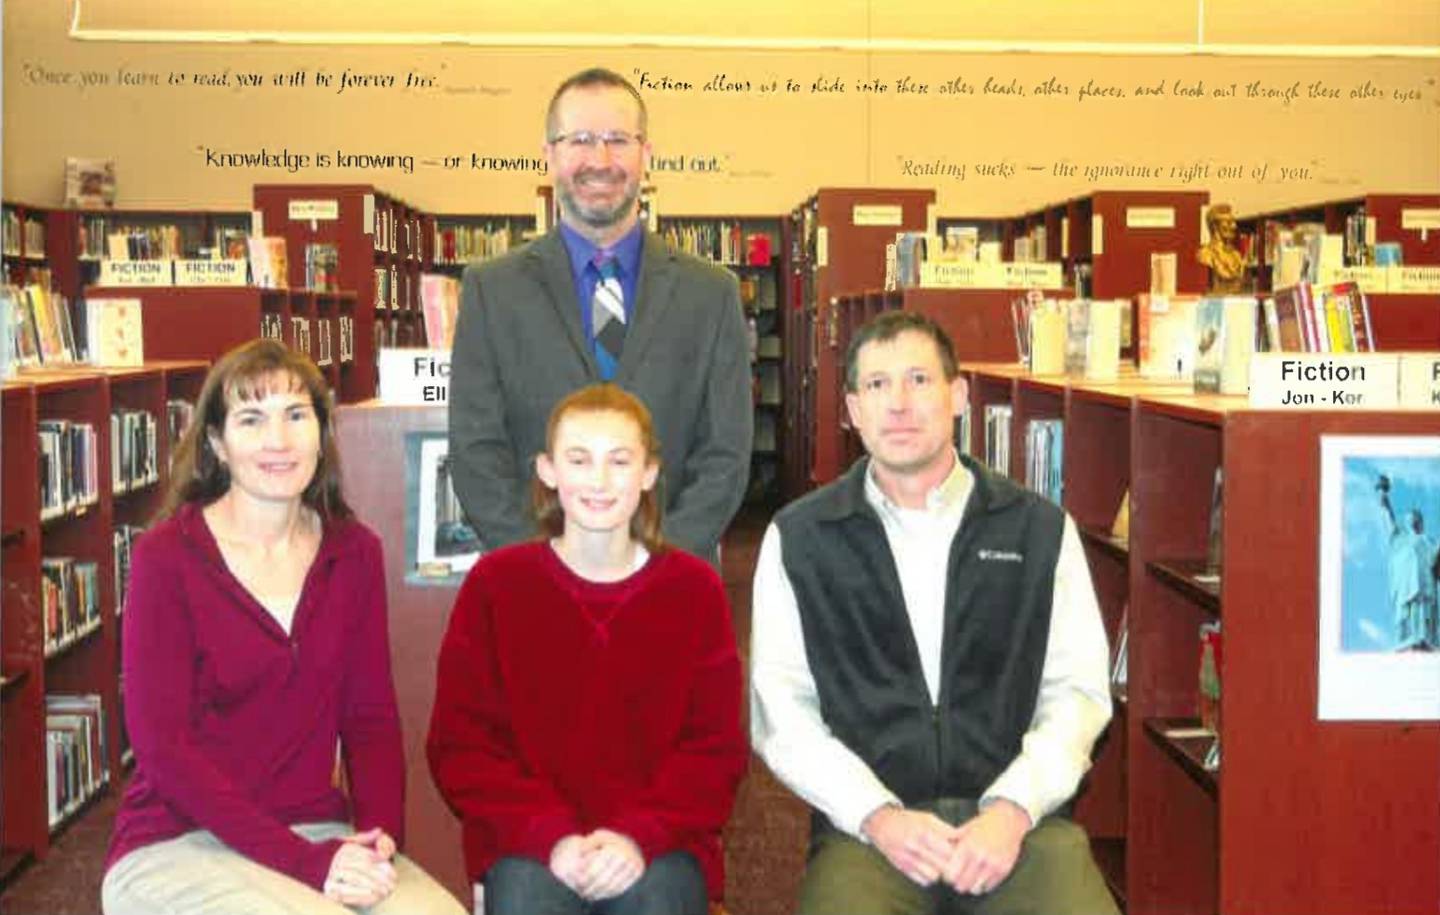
862,652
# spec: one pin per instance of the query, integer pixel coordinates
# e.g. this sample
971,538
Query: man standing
600,299
929,668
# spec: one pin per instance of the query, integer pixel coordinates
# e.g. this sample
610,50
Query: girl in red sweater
586,727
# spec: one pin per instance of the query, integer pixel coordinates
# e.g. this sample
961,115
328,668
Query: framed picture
1379,653
445,546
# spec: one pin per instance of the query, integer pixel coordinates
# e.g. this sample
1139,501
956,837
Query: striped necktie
607,308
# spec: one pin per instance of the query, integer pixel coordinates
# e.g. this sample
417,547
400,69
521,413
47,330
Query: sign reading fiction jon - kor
1345,381
418,377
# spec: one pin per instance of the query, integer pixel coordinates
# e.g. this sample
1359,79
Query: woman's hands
361,873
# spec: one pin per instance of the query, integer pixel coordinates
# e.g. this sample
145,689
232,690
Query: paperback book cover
268,264
1166,330
1291,310
1209,344
1047,338
113,329
1353,307
440,302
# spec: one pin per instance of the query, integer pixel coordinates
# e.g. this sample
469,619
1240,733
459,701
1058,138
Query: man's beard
596,217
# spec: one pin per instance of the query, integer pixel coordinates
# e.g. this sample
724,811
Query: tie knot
607,265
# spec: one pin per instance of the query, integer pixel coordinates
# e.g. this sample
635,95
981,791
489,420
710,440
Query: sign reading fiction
137,273
211,273
1325,381
1420,380
414,377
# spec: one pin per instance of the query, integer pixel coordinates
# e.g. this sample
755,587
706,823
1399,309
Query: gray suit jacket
520,348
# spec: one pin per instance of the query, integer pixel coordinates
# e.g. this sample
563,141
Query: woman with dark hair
586,727
255,640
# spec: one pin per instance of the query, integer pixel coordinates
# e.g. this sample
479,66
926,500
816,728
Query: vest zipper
939,753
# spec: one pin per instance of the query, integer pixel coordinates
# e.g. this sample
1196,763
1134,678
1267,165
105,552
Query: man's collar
951,490
582,250
847,498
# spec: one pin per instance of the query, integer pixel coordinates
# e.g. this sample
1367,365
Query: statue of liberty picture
1380,572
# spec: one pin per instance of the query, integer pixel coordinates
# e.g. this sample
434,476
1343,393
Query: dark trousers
671,885
1054,875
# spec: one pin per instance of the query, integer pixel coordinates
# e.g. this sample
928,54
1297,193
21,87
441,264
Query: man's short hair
588,79
886,327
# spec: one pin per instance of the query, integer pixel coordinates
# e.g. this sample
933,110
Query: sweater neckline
552,557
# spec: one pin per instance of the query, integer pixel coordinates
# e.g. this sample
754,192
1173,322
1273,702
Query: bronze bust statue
1219,254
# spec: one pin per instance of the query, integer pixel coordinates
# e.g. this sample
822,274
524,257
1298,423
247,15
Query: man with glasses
600,299
928,665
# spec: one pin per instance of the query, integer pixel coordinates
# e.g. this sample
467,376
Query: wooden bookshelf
88,661
77,240
25,236
841,251
727,242
457,240
376,489
1386,210
1114,233
1400,321
383,246
798,345
1169,834
202,323
23,831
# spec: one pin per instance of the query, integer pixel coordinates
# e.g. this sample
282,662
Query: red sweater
564,705
233,723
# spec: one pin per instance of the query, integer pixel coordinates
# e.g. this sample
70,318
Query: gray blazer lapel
550,262
652,296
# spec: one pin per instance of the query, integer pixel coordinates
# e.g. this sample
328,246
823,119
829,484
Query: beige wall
765,149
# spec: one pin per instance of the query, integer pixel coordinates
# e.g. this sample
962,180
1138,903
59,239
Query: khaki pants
197,874
1054,875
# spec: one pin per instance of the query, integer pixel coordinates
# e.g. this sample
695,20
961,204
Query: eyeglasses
616,141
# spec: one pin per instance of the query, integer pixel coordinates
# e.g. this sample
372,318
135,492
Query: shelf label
1149,217
1029,275
961,275
1420,380
1371,280
877,214
1420,219
1415,280
1325,381
137,273
305,210
414,377
210,273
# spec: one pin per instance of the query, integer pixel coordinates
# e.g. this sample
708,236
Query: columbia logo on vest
1000,556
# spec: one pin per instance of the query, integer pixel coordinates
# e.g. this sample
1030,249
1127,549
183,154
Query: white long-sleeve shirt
786,726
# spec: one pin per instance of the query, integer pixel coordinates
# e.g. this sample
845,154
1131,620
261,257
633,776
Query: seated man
929,668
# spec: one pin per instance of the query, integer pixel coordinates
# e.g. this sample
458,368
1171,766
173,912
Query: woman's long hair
250,372
603,398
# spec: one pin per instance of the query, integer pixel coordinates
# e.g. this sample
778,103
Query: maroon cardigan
564,705
234,725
